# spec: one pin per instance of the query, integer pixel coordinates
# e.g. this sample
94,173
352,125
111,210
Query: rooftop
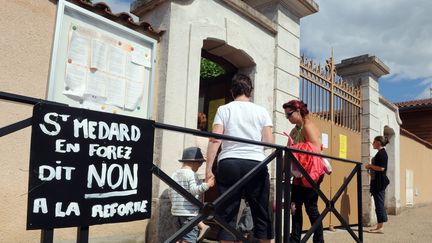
122,18
422,103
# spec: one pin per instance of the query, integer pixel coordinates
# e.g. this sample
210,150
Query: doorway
215,81
219,63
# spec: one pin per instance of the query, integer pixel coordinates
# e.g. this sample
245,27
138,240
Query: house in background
416,152
416,117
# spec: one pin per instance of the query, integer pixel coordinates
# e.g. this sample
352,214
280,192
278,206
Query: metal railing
284,157
208,210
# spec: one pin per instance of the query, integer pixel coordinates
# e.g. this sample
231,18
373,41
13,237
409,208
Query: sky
398,32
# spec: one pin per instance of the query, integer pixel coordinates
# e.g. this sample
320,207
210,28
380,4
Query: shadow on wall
345,209
390,198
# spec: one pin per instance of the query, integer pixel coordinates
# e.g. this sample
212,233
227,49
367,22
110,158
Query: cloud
426,94
398,32
426,85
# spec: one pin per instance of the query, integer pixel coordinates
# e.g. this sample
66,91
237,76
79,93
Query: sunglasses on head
289,114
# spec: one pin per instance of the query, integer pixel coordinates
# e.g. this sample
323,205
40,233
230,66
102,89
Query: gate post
364,71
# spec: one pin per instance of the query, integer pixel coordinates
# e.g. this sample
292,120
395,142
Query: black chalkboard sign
88,167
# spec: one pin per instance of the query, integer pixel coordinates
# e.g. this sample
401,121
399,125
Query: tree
210,69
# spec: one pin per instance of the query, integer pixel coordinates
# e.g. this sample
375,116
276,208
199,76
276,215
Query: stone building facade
256,37
259,38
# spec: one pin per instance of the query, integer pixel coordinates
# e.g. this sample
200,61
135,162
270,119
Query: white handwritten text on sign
88,168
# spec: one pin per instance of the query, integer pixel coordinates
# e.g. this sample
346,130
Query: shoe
203,232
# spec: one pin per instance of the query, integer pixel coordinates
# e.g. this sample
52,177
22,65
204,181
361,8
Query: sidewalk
412,225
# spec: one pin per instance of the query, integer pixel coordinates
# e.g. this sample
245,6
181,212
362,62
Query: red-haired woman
306,136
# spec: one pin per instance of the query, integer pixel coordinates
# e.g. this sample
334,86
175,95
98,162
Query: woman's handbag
327,166
295,171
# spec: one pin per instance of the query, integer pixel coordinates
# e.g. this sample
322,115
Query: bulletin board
100,65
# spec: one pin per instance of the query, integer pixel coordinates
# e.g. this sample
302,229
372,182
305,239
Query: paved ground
412,225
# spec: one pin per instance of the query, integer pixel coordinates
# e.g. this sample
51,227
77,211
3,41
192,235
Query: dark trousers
307,196
256,192
379,206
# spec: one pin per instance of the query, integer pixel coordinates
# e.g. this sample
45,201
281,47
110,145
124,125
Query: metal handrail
288,159
284,156
242,140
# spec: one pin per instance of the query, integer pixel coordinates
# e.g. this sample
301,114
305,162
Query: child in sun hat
186,176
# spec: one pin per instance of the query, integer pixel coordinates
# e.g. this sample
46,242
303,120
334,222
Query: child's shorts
192,235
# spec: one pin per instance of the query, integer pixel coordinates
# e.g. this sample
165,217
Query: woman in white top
244,119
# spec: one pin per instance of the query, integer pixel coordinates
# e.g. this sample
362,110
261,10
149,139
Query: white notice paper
115,91
99,55
324,139
94,103
96,83
134,94
141,56
134,72
75,79
116,61
79,48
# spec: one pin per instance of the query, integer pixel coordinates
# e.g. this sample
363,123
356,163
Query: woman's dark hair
202,121
241,85
383,140
297,104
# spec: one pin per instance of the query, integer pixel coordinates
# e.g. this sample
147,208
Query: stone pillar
286,14
365,71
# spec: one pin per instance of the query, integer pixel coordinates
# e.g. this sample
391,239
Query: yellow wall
26,28
418,158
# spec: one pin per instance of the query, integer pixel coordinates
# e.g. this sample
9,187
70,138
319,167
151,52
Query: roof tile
414,103
123,18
